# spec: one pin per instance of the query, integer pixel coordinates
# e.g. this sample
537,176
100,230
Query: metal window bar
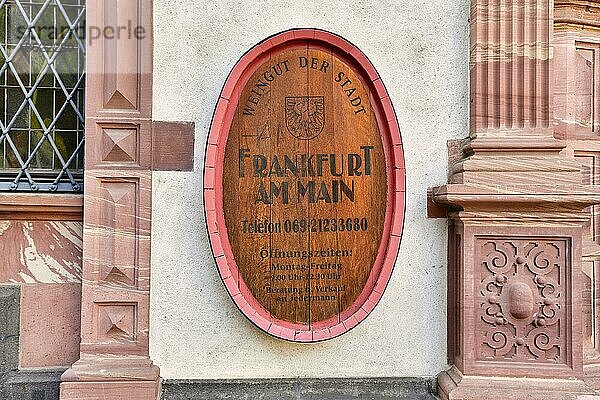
42,80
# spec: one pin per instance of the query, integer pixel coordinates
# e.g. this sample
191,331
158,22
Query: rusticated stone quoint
522,300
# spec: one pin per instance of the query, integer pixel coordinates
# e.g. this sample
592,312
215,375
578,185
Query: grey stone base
301,389
31,386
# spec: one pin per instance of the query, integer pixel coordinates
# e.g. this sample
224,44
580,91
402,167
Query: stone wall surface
421,51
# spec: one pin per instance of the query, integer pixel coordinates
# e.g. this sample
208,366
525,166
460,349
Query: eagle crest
305,116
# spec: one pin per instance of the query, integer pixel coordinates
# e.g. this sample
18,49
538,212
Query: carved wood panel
304,185
311,167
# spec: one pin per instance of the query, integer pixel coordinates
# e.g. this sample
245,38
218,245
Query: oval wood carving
304,186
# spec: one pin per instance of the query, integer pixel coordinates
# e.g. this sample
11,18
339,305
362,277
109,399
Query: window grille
42,79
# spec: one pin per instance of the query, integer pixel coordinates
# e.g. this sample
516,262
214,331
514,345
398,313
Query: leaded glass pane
42,58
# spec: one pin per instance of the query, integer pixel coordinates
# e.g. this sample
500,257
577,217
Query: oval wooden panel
304,186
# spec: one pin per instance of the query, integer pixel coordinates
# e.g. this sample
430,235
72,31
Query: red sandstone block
389,110
365,63
265,46
234,77
262,323
247,309
345,46
304,336
232,286
325,36
360,314
399,214
56,243
209,200
334,40
256,51
395,133
337,330
380,89
381,285
275,330
217,123
393,246
369,304
129,390
402,162
304,33
209,177
211,156
398,156
50,325
400,179
223,267
322,334
287,334
243,305
391,255
350,323
215,131
282,38
211,221
215,241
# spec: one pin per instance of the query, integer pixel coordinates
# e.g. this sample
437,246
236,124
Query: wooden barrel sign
304,185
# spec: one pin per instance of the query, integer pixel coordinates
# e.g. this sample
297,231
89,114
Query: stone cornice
577,12
47,207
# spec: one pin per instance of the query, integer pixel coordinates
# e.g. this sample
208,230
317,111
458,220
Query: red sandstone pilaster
517,220
114,361
510,65
577,121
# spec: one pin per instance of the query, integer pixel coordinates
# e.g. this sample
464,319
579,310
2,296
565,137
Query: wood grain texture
305,269
304,185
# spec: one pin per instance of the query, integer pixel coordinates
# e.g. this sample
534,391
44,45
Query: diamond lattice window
42,54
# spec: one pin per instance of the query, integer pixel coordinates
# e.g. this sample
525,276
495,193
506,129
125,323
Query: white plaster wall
420,49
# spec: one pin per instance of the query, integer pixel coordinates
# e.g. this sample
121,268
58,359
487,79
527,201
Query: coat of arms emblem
305,116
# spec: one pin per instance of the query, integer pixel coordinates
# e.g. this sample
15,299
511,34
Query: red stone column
516,205
114,362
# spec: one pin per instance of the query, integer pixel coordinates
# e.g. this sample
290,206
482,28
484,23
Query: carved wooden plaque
307,180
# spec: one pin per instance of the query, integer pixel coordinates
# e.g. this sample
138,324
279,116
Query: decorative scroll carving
522,300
